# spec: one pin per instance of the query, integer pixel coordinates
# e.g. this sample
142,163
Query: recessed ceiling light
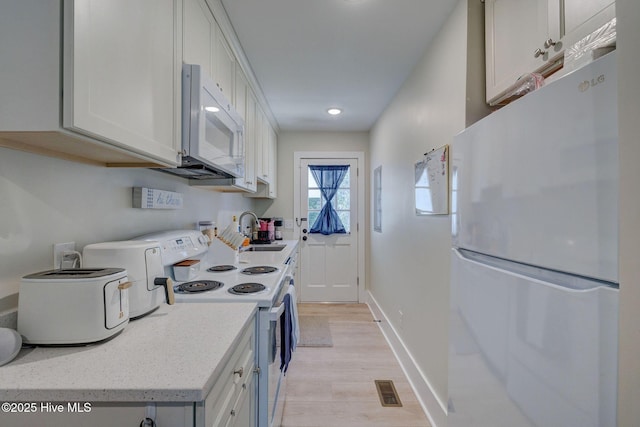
334,111
212,109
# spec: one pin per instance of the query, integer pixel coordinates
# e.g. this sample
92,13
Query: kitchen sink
265,248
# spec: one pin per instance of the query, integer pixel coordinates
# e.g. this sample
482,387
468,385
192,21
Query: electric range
271,275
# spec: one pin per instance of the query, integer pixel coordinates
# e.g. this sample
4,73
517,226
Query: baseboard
434,409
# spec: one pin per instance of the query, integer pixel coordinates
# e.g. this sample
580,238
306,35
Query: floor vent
387,393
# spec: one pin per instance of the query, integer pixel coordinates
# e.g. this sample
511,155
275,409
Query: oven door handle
276,312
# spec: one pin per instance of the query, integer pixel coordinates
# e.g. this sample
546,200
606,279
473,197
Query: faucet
255,217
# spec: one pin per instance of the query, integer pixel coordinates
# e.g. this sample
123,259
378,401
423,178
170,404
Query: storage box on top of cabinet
92,81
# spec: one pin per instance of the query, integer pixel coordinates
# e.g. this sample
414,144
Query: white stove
264,295
215,282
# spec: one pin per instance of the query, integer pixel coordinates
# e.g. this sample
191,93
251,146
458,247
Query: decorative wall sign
432,183
149,198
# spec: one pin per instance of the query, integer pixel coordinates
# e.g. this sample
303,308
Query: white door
329,263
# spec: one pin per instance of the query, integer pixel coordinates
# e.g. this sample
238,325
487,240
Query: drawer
237,377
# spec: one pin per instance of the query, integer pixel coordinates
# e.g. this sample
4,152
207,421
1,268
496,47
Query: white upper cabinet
224,65
204,44
122,79
107,94
514,30
198,34
582,17
525,36
246,106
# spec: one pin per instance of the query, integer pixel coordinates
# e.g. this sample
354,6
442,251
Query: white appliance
534,286
144,264
212,130
274,283
75,306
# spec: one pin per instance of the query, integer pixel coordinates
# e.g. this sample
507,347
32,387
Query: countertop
174,354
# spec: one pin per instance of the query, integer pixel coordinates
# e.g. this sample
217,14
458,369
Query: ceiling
310,55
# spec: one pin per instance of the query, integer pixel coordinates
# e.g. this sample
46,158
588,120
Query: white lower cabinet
230,403
232,398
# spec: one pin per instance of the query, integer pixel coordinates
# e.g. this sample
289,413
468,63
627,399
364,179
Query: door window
341,201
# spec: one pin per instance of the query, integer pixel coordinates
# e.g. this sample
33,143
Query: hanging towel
286,337
294,316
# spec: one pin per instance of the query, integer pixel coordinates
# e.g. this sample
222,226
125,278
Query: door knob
304,230
304,238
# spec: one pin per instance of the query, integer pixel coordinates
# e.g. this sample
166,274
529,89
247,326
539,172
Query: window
340,202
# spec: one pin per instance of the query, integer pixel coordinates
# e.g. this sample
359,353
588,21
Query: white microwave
212,130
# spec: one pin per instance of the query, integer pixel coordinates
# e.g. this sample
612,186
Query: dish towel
286,337
294,316
289,327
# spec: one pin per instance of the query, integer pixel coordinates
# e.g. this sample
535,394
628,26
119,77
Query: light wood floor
334,386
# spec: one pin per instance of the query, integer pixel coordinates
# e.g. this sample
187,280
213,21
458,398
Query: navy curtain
328,179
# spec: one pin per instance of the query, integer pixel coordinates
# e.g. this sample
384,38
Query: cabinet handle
233,412
539,52
549,43
239,372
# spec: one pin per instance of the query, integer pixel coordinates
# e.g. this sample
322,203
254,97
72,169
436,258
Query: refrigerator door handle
564,281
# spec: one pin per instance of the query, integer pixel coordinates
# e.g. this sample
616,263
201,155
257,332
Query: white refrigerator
534,290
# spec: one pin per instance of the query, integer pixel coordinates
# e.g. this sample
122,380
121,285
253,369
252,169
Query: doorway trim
361,226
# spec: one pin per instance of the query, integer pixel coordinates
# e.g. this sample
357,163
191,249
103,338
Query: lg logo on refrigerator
585,85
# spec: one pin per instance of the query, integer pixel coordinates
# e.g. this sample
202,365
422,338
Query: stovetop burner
247,288
261,269
198,286
221,268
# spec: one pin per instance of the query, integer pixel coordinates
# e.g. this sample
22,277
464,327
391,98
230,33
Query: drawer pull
239,372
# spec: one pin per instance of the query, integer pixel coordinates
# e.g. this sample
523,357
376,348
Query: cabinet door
245,104
104,414
260,141
273,163
224,65
514,30
267,145
582,17
122,73
198,34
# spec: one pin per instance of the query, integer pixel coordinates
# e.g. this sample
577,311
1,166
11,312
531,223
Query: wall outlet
59,249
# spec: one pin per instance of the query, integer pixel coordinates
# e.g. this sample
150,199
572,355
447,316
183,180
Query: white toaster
74,306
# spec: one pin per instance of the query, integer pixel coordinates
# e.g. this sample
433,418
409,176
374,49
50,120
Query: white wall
289,143
409,268
46,200
628,12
